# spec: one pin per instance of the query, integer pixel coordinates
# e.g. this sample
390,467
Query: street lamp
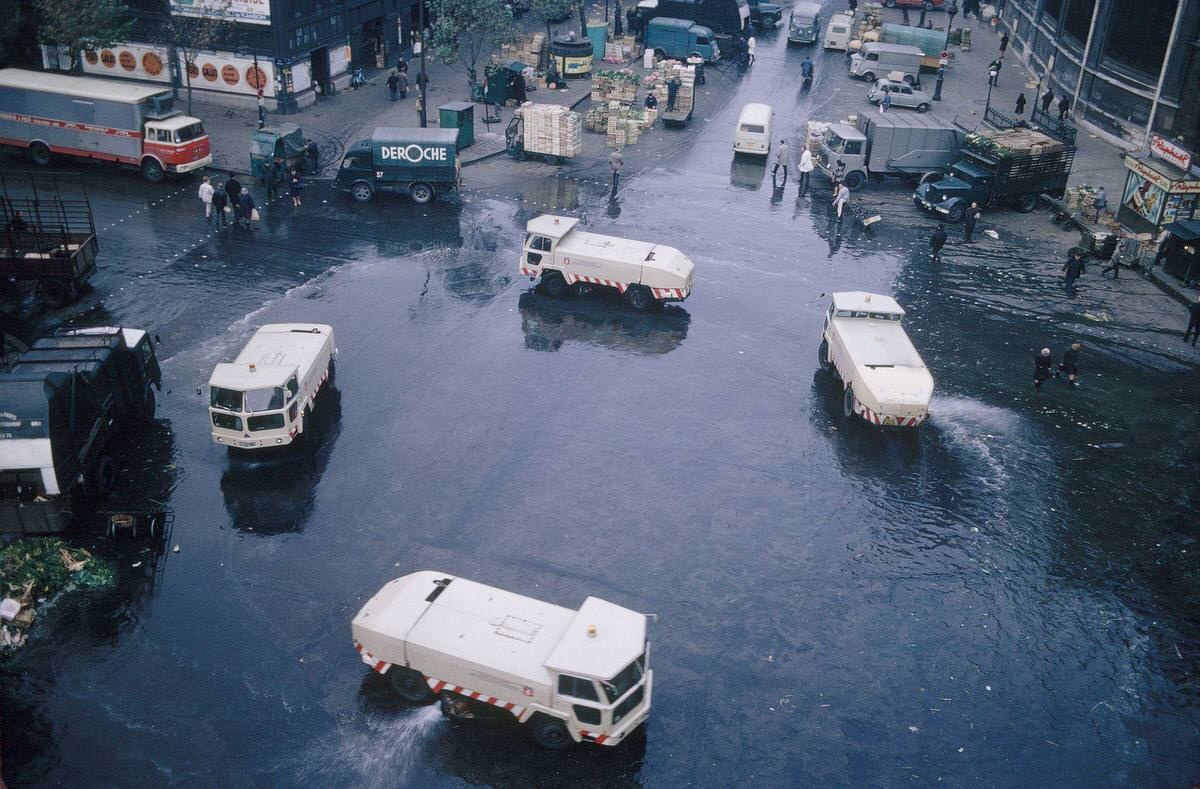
422,79
992,74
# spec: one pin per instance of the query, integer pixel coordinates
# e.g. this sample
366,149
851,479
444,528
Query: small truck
417,162
265,397
864,346
112,120
568,260
64,404
891,144
568,676
1013,166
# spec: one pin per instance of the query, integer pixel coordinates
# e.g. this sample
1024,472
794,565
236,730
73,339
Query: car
903,95
928,5
765,15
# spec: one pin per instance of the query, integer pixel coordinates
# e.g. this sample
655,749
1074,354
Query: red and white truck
46,114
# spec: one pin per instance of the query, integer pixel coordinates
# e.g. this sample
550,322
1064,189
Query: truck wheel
854,180
554,285
420,193
923,107
640,298
410,685
39,154
869,76
102,477
955,214
660,54
1027,203
550,733
823,355
152,171
848,402
362,192
148,406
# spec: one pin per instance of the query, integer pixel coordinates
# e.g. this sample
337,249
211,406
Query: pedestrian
672,91
1047,100
805,167
233,188
1193,327
1075,267
1064,108
296,186
401,65
1020,104
393,84
615,162
1003,44
402,84
885,102
783,155
246,211
220,204
951,10
841,196
1041,368
314,155
971,216
1164,247
205,194
651,102
853,4
751,46
271,178
994,73
937,240
1069,363
839,172
1100,201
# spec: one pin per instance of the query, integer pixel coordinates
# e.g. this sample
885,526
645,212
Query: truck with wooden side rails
569,260
46,237
568,676
884,381
134,124
265,397
64,405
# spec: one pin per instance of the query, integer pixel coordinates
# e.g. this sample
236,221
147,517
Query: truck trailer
417,162
569,260
64,403
896,144
133,124
568,676
265,397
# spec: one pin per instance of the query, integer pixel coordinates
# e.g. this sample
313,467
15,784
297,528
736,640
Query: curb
1171,289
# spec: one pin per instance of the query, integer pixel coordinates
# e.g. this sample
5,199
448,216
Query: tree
469,31
188,36
82,24
547,11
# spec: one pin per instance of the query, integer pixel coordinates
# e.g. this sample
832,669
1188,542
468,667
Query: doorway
320,71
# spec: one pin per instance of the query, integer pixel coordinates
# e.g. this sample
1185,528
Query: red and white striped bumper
886,421
377,665
439,685
670,294
611,283
528,272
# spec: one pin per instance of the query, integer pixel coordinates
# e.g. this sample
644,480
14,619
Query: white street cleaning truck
568,676
265,397
569,260
883,377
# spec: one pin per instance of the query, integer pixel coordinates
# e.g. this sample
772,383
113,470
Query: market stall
1159,189
1183,251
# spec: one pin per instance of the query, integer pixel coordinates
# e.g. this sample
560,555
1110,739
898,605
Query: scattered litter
175,549
913,729
991,233
9,609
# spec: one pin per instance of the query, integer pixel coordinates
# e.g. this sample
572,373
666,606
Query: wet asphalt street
1007,597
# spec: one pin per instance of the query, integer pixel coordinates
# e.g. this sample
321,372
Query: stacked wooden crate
610,85
622,50
552,129
667,69
527,49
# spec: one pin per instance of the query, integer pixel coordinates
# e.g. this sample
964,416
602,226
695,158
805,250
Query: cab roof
755,113
601,639
551,226
847,132
861,301
806,9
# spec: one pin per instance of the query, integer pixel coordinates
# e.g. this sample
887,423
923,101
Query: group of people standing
804,166
230,201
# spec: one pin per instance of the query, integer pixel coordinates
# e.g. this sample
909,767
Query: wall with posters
339,60
131,61
250,12
228,73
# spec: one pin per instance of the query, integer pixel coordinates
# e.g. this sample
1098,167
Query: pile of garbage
610,85
35,570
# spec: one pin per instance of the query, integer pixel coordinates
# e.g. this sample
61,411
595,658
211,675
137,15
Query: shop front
1159,189
1183,251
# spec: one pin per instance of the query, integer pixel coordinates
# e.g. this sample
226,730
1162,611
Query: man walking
1003,44
841,196
1064,108
402,84
783,155
1164,246
1041,368
615,162
1047,100
751,46
971,216
271,178
937,240
393,84
219,202
1020,104
1069,364
994,73
1193,327
805,168
233,188
1075,268
314,156
672,91
885,102
206,194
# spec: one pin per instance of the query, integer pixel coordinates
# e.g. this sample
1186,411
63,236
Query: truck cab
804,25
680,38
179,144
843,153
950,196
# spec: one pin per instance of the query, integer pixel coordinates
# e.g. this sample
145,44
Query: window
293,411
1078,19
540,243
702,40
872,56
350,163
624,708
227,421
629,676
193,131
292,387
265,399
854,147
158,135
1136,38
753,128
265,422
577,687
587,714
226,399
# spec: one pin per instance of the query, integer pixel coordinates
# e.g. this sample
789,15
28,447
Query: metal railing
1061,130
36,218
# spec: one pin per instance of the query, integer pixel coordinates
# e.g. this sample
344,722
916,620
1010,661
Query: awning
1185,229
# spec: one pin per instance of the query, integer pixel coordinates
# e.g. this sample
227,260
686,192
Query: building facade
1130,67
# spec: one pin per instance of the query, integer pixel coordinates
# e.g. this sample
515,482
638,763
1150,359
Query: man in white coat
205,194
841,196
751,45
805,167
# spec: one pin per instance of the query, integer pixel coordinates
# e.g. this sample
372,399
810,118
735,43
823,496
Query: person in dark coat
245,204
393,84
1047,100
401,65
219,201
1003,44
1041,368
402,84
233,188
1064,108
314,156
1193,327
970,218
1075,267
673,85
938,240
853,5
1020,104
270,178
1069,364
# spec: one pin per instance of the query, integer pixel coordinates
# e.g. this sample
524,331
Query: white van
877,60
839,32
753,133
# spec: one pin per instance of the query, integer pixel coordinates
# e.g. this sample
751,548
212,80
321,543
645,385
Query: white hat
1045,352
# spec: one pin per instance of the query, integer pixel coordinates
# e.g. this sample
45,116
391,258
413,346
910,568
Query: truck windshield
193,131
225,399
265,399
629,676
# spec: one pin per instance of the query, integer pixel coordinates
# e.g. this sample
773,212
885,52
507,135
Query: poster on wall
339,60
1144,197
301,76
131,61
229,73
250,12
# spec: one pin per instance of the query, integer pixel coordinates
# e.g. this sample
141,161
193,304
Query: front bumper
933,208
263,440
189,166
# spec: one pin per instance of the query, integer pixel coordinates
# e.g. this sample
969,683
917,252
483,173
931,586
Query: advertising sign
1143,197
1170,152
132,61
227,73
339,60
250,12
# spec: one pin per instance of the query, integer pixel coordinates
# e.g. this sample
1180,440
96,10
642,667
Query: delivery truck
891,144
265,397
679,39
568,260
725,17
48,115
568,676
884,381
64,405
420,163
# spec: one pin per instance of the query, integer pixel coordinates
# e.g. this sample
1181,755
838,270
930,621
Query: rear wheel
923,107
553,284
102,477
640,298
660,55
58,292
890,3
869,76
955,214
152,170
39,154
410,685
420,193
823,355
550,733
362,192
1027,203
148,406
848,402
854,180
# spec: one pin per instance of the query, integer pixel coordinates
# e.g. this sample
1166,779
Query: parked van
753,134
876,60
726,17
679,38
805,23
839,32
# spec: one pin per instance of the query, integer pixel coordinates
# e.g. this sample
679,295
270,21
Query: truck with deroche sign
48,115
569,260
417,162
568,676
